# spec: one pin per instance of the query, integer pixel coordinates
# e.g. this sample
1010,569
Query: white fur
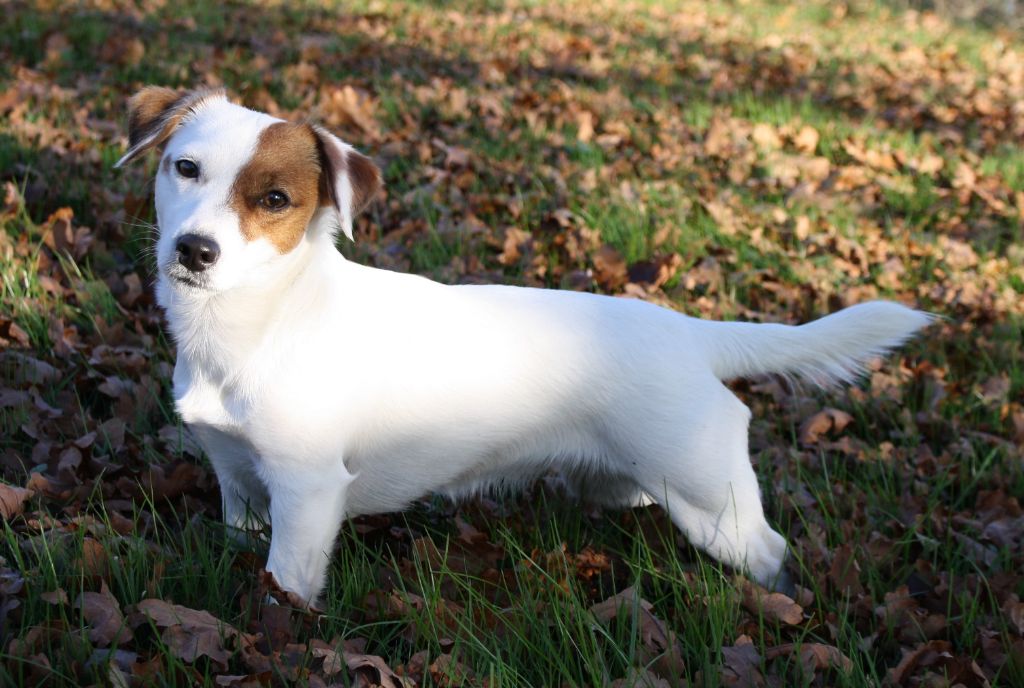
322,389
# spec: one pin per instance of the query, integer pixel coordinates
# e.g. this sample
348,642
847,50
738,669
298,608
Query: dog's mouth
181,279
184,278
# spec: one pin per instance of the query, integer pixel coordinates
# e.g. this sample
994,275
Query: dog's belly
453,461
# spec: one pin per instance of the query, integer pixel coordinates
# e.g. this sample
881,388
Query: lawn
744,160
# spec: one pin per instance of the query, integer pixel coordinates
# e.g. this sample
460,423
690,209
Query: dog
321,389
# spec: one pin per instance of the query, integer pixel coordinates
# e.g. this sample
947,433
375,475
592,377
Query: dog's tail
832,349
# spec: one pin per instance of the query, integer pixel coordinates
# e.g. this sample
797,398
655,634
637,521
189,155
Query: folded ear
349,180
155,112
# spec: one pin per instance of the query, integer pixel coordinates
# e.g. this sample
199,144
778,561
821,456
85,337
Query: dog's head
238,190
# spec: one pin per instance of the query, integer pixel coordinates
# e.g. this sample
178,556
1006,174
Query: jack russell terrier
321,389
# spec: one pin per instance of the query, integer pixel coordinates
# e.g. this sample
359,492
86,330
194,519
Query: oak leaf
12,500
773,605
102,614
822,423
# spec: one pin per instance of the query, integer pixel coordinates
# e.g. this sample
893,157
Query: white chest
210,412
200,402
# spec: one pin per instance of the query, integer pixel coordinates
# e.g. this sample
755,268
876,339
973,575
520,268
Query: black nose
197,253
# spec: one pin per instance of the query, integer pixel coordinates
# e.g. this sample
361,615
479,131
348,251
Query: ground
743,160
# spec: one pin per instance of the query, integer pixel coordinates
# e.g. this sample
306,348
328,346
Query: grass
929,456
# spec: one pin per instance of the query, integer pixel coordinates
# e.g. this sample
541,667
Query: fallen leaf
102,614
55,597
806,140
584,125
345,106
333,661
641,678
813,656
191,633
609,268
94,560
828,421
741,664
12,500
376,670
845,571
660,648
773,605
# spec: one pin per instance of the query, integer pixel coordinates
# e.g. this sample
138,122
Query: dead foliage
519,142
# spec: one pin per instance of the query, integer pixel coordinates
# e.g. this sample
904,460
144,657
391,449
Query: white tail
834,348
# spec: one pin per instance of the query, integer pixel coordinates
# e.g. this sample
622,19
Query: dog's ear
348,179
154,113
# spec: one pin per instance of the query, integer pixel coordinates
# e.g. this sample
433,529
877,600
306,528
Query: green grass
908,494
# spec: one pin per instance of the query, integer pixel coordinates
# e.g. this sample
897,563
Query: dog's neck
217,334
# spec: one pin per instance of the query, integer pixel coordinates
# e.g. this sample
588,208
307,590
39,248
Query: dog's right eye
186,168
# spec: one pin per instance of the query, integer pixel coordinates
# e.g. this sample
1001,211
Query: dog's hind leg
710,490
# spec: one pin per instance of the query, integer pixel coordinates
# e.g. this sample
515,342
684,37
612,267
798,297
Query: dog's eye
186,168
274,200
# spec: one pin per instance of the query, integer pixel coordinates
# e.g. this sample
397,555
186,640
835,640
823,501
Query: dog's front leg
306,510
244,506
244,498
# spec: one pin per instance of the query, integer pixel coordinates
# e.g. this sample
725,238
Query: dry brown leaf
94,561
55,597
766,136
515,240
995,390
446,671
741,664
806,140
773,605
641,678
813,656
718,141
333,661
1014,610
12,499
724,217
346,106
28,369
660,648
938,654
584,125
609,268
825,422
654,273
102,614
376,670
191,633
194,643
845,571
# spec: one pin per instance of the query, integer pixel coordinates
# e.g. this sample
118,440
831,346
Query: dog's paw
275,594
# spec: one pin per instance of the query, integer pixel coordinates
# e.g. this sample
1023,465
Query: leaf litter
519,142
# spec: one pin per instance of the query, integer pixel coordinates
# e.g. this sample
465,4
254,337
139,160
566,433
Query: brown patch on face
155,112
287,160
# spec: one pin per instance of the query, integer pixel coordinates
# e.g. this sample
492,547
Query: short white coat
322,389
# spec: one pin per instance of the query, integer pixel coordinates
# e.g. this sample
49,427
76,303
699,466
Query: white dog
322,389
